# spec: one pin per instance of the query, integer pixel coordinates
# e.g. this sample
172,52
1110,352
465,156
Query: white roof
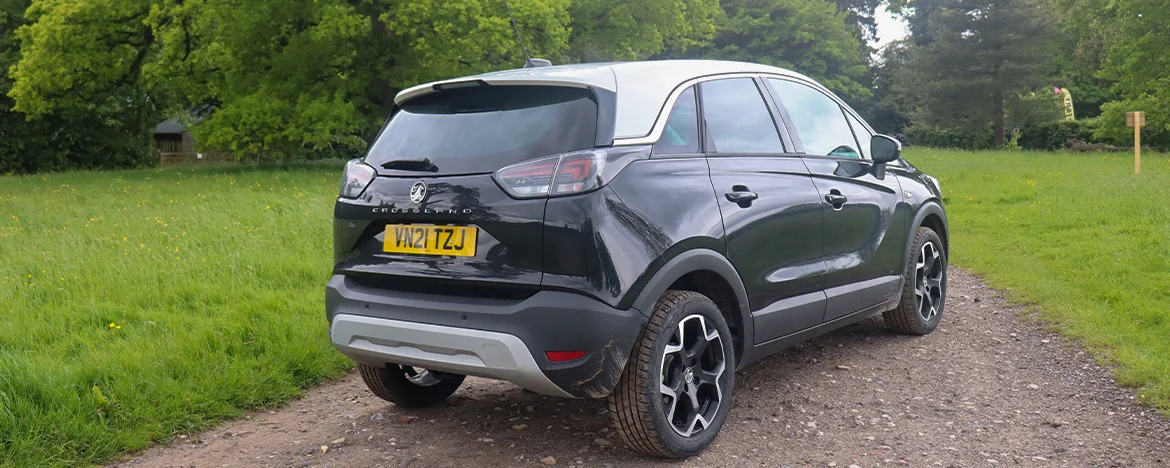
643,88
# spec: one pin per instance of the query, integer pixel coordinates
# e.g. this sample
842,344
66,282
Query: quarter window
819,120
681,135
737,118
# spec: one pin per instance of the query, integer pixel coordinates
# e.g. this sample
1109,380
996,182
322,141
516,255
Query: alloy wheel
928,281
420,376
693,373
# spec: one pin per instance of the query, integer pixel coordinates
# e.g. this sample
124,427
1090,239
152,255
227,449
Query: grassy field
137,305
1078,237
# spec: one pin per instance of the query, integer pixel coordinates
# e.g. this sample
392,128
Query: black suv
631,231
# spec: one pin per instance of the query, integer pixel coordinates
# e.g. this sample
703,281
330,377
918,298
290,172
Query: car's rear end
439,237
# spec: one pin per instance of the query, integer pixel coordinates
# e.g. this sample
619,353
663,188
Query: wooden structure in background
1136,120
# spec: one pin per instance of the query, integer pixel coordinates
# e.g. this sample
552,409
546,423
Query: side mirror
884,149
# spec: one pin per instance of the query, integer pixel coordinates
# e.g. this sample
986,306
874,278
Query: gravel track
988,388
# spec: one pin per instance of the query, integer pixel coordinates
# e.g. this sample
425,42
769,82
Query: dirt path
985,389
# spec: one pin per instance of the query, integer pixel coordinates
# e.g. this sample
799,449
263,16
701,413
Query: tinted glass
863,135
819,121
737,118
481,129
681,135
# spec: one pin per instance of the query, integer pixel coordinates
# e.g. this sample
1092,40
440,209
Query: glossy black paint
510,235
607,243
864,234
774,241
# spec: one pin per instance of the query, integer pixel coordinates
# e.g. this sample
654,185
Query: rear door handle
836,199
741,195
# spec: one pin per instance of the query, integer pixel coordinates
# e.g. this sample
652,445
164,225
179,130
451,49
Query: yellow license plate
457,241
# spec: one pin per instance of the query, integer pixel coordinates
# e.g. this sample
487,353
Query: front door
863,240
771,209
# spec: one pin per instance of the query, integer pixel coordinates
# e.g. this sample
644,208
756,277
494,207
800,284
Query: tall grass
1079,237
137,305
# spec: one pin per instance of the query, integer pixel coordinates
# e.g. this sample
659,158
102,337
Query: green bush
1054,136
919,135
1047,136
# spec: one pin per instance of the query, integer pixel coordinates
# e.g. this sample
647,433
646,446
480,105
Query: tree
293,77
606,30
861,16
981,58
110,130
1135,50
806,36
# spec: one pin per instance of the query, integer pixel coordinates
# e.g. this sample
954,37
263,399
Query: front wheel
675,392
409,387
924,287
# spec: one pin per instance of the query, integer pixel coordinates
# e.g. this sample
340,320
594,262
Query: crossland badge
418,192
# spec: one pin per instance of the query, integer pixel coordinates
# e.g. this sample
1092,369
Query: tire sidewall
911,271
710,312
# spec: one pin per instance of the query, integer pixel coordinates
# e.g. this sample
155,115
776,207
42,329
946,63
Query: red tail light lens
562,356
575,173
569,173
528,179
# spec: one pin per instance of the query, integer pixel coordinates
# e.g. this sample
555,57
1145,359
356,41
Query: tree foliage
607,30
979,59
108,128
292,77
809,36
1135,45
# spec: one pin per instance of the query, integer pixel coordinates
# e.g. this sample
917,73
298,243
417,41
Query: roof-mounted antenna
529,62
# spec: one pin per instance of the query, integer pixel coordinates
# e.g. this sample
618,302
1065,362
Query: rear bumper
464,351
495,338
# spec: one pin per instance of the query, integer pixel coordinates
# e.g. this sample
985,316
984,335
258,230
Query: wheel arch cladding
709,273
930,215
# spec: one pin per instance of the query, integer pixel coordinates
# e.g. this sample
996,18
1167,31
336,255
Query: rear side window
681,135
738,119
818,119
484,128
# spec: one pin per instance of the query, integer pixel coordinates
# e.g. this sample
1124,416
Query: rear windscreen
484,128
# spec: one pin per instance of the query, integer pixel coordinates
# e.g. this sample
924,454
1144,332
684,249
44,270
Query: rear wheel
924,287
409,387
675,392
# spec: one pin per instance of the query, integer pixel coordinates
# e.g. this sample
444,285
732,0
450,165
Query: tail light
355,178
569,173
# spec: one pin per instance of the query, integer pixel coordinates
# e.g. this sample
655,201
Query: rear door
771,209
863,243
434,220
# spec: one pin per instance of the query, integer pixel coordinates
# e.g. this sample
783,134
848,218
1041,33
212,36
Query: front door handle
740,195
836,199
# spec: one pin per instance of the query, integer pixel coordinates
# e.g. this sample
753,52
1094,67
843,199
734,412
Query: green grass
138,305
1076,236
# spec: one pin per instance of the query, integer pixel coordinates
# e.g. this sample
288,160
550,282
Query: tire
642,411
924,287
409,387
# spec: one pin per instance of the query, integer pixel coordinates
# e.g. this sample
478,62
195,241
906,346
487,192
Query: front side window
737,118
863,135
681,135
818,119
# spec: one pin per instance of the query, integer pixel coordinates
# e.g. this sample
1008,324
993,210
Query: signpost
1136,120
